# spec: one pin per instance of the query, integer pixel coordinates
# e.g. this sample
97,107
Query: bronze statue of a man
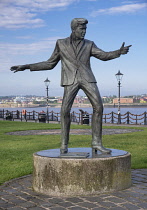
74,53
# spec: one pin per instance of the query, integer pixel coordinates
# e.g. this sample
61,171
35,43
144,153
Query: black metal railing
79,118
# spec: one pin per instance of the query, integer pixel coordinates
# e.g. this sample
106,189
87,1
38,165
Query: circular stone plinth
80,172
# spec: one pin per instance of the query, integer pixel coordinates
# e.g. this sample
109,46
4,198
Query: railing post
33,115
57,116
73,117
145,120
128,120
26,115
52,116
6,114
119,118
136,119
21,116
112,116
17,114
105,119
3,113
81,118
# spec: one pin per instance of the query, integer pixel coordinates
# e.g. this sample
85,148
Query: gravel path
72,132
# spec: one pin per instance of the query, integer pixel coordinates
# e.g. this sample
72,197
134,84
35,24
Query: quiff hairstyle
78,21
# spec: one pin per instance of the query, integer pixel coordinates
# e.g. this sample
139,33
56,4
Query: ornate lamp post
47,83
119,76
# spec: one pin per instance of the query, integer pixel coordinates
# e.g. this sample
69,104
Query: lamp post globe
119,76
47,82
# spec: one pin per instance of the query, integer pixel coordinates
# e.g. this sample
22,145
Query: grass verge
16,151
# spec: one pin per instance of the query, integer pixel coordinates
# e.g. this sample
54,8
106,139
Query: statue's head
78,27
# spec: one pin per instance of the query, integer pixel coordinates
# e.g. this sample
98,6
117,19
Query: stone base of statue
79,172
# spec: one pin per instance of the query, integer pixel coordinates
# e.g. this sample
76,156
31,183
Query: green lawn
16,151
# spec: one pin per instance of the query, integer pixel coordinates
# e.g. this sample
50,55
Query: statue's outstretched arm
105,56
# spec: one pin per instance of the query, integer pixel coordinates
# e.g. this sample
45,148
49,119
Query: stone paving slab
17,194
72,132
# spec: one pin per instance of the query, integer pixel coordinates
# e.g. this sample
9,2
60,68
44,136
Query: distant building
20,99
124,100
60,99
143,100
77,100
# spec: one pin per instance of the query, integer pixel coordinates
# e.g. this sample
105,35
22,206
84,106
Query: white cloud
17,49
128,8
24,37
23,13
42,4
130,2
9,52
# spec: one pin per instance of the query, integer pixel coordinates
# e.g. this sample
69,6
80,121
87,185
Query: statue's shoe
101,149
64,149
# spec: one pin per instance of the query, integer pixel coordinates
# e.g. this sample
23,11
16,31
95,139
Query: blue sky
30,28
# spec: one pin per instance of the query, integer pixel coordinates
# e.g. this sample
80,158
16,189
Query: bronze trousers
92,92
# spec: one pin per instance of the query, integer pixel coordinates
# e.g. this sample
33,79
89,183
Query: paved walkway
18,194
72,132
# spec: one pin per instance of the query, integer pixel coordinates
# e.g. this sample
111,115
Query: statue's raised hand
18,68
123,49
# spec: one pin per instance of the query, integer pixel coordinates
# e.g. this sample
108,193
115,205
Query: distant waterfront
133,110
75,105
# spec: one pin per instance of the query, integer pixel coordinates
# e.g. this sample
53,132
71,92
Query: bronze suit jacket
74,60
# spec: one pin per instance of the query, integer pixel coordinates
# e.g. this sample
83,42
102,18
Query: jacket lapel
69,47
70,50
80,47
